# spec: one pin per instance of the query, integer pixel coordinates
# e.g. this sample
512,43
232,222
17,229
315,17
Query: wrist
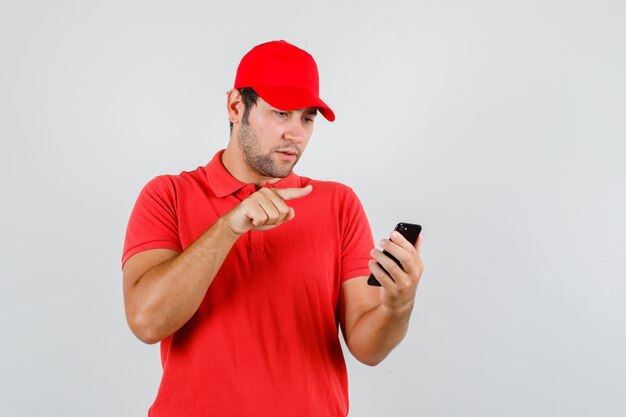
397,312
225,224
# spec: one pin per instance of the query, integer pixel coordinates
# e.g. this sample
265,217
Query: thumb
290,193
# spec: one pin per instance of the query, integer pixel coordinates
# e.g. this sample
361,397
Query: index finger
291,193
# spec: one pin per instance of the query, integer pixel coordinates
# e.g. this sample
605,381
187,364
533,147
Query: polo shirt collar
223,183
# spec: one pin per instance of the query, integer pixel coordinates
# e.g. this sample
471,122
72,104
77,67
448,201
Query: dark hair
249,97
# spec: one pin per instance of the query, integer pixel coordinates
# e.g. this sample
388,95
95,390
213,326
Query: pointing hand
265,209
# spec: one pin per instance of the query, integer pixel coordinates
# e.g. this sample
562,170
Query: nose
295,131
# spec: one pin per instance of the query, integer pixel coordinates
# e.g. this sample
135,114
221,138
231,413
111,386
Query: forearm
169,294
377,333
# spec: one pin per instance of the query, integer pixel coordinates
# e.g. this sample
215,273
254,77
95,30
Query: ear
234,106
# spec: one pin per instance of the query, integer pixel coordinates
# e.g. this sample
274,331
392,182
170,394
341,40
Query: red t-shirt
264,341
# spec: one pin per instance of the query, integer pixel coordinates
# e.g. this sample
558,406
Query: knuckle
400,285
393,268
253,199
264,193
261,216
407,285
405,258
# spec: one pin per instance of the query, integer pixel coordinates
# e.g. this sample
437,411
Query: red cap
284,75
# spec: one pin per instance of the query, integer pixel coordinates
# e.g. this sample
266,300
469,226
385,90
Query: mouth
288,154
288,151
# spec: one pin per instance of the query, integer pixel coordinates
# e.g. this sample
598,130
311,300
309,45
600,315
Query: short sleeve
357,239
153,223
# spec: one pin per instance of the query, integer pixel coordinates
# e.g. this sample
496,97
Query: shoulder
165,183
332,194
168,191
328,187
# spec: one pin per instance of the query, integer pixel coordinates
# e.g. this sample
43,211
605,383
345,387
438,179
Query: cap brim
291,98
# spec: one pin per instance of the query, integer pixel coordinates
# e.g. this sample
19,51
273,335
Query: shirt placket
255,238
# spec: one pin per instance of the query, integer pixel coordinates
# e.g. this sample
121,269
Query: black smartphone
410,232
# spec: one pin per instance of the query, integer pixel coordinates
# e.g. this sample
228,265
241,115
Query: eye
281,113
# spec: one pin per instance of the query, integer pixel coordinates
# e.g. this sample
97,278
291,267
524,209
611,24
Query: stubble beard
257,160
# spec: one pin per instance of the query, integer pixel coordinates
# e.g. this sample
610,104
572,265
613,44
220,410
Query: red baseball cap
284,75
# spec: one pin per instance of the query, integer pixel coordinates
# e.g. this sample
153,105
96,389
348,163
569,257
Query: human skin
164,288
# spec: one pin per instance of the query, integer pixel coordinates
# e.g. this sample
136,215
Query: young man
243,269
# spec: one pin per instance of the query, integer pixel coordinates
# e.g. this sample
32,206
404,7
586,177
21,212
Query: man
243,269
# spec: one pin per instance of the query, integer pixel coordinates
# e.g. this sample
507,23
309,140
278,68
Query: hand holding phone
411,233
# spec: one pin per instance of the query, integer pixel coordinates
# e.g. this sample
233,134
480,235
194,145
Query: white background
500,126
